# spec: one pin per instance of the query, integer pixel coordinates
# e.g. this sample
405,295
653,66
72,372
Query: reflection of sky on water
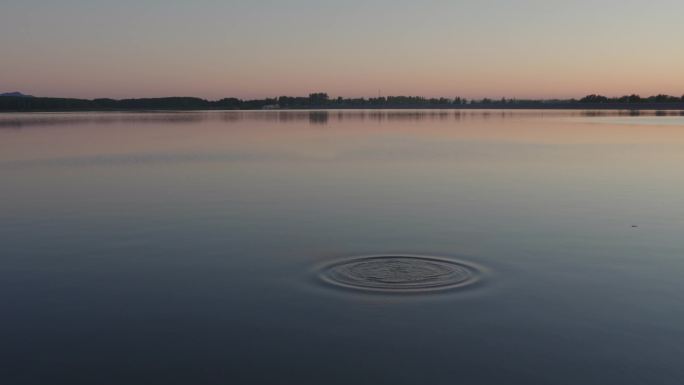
657,120
129,244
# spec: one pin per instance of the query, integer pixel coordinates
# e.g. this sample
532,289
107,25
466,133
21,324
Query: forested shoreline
323,101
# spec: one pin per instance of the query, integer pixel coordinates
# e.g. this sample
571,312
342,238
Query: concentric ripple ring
399,273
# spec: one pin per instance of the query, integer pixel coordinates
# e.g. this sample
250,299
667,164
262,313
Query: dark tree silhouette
593,98
321,100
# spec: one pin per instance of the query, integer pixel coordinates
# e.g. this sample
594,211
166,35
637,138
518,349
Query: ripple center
400,273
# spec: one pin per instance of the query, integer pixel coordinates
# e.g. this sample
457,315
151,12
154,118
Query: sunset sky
214,49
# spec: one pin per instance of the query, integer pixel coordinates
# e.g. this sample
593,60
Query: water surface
187,247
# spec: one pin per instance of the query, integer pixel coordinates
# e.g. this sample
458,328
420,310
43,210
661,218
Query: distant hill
16,94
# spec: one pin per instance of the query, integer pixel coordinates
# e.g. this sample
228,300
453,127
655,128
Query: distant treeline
322,100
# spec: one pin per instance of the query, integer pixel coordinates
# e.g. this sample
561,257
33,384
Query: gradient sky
213,48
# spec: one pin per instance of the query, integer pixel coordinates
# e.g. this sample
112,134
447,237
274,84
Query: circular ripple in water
401,273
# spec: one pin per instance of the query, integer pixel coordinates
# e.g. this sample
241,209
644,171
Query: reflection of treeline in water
314,117
323,101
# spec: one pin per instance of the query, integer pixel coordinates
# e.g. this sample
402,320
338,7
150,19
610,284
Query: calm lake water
199,247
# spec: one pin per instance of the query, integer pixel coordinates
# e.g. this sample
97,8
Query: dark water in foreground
199,248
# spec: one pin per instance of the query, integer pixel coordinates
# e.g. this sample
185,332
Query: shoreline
321,101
